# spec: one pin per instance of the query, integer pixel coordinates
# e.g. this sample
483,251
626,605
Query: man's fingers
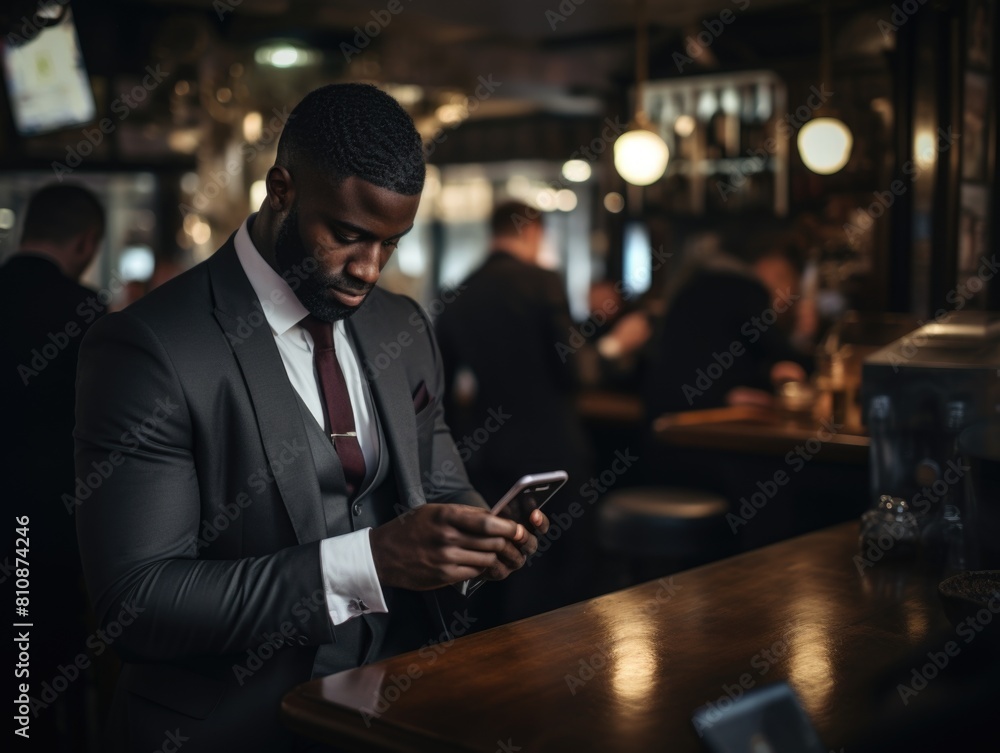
540,521
512,557
492,525
530,546
478,522
457,574
456,538
466,558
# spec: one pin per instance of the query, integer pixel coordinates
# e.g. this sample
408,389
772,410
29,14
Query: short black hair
60,212
354,130
508,218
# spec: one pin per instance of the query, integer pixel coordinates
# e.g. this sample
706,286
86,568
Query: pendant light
640,154
825,145
825,142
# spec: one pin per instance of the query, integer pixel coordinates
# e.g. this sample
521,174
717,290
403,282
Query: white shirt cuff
349,577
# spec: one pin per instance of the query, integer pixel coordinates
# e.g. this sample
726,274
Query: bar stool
653,531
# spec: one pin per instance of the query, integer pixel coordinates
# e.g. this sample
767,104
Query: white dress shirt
349,576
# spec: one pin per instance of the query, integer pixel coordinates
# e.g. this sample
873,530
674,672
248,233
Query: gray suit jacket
200,533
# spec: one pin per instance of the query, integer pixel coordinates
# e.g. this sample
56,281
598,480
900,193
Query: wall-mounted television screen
47,82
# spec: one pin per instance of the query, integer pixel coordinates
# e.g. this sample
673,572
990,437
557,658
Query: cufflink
359,606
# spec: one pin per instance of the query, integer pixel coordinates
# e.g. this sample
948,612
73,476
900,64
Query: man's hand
504,567
436,545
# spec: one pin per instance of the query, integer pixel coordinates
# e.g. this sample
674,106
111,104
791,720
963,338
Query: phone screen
527,501
529,494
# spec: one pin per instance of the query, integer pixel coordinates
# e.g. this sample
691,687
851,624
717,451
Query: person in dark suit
499,338
724,341
725,338
508,348
267,520
45,314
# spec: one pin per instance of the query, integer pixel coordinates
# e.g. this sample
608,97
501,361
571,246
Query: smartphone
527,495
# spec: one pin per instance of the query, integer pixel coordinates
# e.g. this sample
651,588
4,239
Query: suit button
357,509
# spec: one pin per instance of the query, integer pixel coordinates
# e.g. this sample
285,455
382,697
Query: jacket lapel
394,404
274,402
391,394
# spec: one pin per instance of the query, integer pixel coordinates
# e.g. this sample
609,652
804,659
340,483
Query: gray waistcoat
364,639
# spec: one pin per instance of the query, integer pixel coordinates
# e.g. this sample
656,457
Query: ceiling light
201,232
825,142
285,55
449,114
825,145
190,222
406,94
565,200
641,157
640,154
576,170
253,126
614,202
684,126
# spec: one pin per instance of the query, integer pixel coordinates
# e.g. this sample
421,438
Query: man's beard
290,252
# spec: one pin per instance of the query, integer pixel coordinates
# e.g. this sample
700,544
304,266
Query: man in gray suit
244,538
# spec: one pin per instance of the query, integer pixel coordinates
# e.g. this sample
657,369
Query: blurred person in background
615,314
46,311
514,362
606,305
726,338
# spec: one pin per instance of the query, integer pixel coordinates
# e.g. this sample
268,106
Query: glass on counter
889,530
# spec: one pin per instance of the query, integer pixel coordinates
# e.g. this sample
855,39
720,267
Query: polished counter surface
625,671
762,432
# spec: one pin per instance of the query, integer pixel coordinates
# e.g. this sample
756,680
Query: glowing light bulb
825,145
641,157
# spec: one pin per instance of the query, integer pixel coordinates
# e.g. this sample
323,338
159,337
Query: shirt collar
282,309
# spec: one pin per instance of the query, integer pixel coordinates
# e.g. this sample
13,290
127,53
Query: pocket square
421,398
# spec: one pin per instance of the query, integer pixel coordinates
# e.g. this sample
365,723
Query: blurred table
761,431
624,672
606,407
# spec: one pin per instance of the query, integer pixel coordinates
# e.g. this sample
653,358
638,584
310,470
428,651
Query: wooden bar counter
624,672
761,432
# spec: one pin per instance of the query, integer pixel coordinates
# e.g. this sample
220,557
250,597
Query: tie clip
333,437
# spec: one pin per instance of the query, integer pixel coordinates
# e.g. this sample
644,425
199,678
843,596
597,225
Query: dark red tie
336,403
